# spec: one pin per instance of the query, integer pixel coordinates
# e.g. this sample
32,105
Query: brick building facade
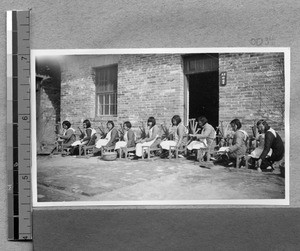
135,86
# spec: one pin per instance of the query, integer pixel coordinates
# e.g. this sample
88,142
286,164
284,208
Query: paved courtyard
80,179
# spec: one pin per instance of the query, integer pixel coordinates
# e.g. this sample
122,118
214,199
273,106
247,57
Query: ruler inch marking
18,75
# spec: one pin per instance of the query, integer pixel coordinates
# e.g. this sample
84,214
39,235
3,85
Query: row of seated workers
269,147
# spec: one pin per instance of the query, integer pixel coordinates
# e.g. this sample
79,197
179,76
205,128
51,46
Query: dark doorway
204,96
202,86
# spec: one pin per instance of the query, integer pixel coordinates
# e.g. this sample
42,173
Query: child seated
111,137
205,138
178,132
129,137
67,138
228,155
87,138
152,139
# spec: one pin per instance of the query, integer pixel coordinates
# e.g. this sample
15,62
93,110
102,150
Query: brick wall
152,85
78,87
254,90
148,85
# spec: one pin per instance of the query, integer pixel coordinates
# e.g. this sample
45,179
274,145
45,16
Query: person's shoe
135,158
268,169
230,164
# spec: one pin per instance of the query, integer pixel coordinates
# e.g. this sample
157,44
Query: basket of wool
109,156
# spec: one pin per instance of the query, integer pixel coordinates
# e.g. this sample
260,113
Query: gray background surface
90,24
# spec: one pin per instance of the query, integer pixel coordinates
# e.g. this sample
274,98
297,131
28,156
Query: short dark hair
202,119
66,123
88,123
265,124
152,119
110,122
128,124
177,119
236,122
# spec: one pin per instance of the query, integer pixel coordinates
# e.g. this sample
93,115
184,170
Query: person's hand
227,150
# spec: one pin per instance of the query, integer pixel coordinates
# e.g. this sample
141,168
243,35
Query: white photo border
252,202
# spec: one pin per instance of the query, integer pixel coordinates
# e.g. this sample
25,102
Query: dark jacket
89,137
114,137
275,143
131,138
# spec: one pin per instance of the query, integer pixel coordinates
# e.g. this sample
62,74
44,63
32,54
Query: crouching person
272,142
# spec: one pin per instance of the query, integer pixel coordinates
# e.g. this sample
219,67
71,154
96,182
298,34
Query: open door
202,87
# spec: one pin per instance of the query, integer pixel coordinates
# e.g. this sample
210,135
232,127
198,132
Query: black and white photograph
176,126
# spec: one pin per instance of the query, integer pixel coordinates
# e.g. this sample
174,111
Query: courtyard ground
80,179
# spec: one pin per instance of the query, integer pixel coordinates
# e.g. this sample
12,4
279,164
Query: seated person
68,136
178,133
272,141
111,137
239,144
207,136
129,137
87,138
152,138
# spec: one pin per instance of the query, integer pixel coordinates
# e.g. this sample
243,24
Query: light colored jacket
208,133
239,144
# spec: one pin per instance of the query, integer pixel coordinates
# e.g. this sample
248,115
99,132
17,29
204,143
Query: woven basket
109,156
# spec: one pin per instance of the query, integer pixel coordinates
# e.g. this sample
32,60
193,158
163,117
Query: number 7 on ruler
18,125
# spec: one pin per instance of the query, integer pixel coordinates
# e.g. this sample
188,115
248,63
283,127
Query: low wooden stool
148,150
126,151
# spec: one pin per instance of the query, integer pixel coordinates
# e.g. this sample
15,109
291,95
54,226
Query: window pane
106,99
100,105
106,90
112,99
115,98
106,110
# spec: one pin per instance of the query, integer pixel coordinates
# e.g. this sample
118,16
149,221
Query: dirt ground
80,179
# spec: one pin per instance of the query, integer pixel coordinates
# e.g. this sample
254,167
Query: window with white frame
106,79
